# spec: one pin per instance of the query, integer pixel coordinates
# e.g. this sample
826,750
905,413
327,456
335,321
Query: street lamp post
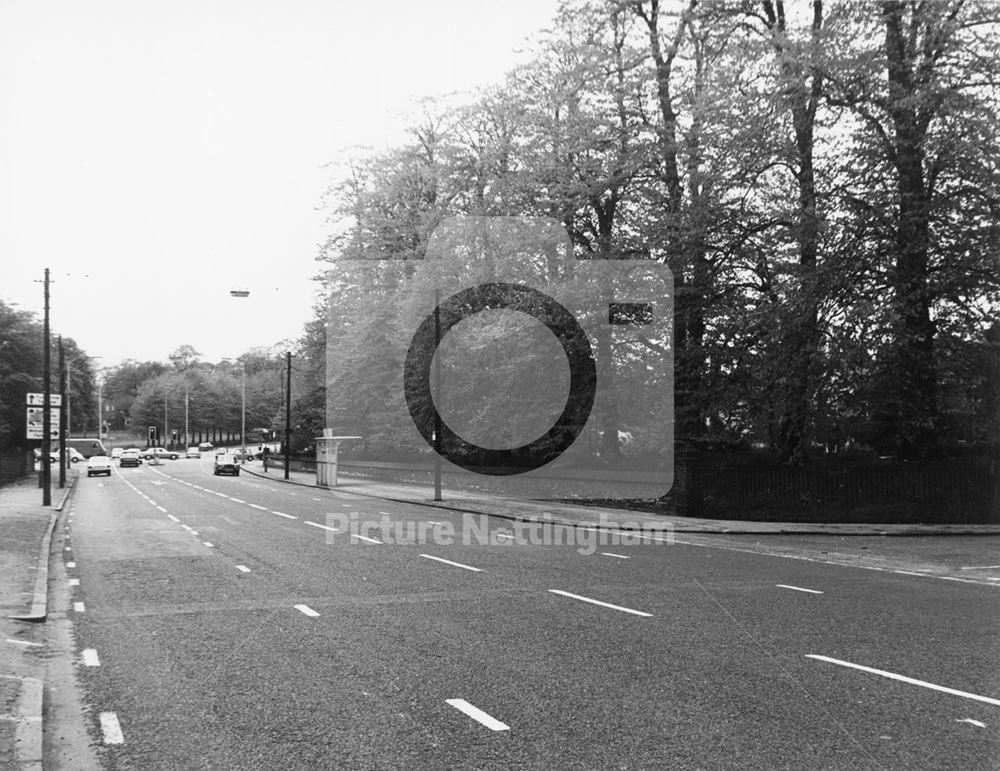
243,416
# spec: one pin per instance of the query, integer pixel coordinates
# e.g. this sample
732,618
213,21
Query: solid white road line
90,658
111,729
243,568
905,679
79,607
616,556
307,610
980,567
478,715
281,514
454,564
798,589
602,604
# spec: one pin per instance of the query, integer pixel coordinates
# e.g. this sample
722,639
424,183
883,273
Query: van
87,447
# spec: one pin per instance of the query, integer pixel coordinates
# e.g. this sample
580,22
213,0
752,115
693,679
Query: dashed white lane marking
315,499
188,528
281,514
434,522
111,729
798,589
90,658
209,545
970,721
616,556
602,604
74,582
79,607
386,513
980,567
68,548
306,610
243,568
235,500
477,714
257,506
454,564
25,642
71,564
293,493
172,518
365,538
162,509
338,530
905,679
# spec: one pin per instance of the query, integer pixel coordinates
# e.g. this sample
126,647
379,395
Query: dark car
226,463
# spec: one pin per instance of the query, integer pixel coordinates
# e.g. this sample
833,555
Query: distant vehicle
192,452
241,454
130,457
159,452
98,464
87,447
116,453
206,447
226,463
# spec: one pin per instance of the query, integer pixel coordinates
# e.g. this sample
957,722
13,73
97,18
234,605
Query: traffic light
152,436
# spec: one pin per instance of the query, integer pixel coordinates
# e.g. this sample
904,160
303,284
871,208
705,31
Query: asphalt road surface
235,623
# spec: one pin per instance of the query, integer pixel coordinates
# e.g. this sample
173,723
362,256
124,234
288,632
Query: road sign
35,430
38,400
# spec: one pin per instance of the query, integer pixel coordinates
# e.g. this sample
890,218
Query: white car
116,453
75,456
192,452
159,452
98,464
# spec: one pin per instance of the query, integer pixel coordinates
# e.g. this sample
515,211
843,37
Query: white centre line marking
478,715
286,516
602,604
74,582
71,564
90,658
162,509
25,642
111,729
188,528
322,527
79,607
980,567
243,568
307,610
798,589
209,545
905,679
257,506
315,499
616,556
454,564
172,518
365,538
68,548
293,493
235,500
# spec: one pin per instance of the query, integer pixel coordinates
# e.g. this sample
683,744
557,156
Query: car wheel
74,460
174,457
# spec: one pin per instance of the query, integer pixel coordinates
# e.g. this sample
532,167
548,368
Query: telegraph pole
62,415
46,405
288,409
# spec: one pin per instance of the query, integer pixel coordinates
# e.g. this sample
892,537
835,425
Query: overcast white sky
155,155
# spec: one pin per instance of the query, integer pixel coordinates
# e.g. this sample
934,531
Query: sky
156,155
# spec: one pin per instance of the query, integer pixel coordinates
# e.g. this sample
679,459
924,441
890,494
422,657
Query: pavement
606,518
25,541
26,528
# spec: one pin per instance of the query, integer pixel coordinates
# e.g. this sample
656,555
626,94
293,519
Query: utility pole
62,415
437,394
288,409
46,405
187,426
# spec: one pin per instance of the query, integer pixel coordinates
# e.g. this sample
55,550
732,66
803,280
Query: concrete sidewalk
26,528
592,516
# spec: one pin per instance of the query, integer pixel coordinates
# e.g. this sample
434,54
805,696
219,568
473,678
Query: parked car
226,463
159,452
98,464
192,452
130,458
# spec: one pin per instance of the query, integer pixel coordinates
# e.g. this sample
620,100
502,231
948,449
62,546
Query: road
232,623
